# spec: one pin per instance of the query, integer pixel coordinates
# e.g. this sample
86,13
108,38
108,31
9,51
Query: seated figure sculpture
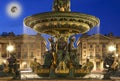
62,59
73,52
62,53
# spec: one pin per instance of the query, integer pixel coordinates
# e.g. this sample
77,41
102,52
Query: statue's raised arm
61,5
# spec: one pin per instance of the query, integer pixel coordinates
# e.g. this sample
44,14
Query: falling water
95,30
26,31
29,31
46,36
98,32
98,28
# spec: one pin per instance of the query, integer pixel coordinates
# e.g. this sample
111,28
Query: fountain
61,23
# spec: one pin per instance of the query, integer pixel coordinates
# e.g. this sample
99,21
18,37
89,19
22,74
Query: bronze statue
61,5
71,44
53,44
62,44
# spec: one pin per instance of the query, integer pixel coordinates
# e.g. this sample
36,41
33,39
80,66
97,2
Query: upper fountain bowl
67,23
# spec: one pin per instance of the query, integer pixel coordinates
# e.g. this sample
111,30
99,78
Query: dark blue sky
108,11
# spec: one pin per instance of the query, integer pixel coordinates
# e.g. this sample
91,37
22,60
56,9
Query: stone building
95,47
26,47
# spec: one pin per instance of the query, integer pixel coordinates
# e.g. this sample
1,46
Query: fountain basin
55,23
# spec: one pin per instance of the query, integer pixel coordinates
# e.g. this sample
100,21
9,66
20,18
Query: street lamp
116,55
12,62
111,48
111,63
10,48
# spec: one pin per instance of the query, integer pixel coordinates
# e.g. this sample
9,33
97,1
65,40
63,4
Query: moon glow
14,9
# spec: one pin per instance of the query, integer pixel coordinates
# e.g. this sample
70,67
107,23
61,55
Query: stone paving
55,80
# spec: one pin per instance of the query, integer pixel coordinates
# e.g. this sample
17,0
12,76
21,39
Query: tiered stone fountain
61,23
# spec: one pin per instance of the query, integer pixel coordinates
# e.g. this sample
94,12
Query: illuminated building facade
95,47
26,47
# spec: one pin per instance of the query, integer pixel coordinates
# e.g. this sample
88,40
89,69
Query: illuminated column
94,62
94,56
101,66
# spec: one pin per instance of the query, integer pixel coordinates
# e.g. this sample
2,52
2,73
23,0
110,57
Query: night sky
108,11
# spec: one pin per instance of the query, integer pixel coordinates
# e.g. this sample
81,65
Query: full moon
14,9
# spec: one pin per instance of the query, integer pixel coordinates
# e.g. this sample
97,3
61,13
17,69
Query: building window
98,56
24,56
32,45
91,46
90,53
84,43
91,50
98,65
84,47
117,46
25,45
91,56
4,55
18,55
18,45
97,46
38,53
25,66
31,55
84,51
103,45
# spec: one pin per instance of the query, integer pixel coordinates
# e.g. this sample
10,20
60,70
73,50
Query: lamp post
110,62
13,63
113,49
